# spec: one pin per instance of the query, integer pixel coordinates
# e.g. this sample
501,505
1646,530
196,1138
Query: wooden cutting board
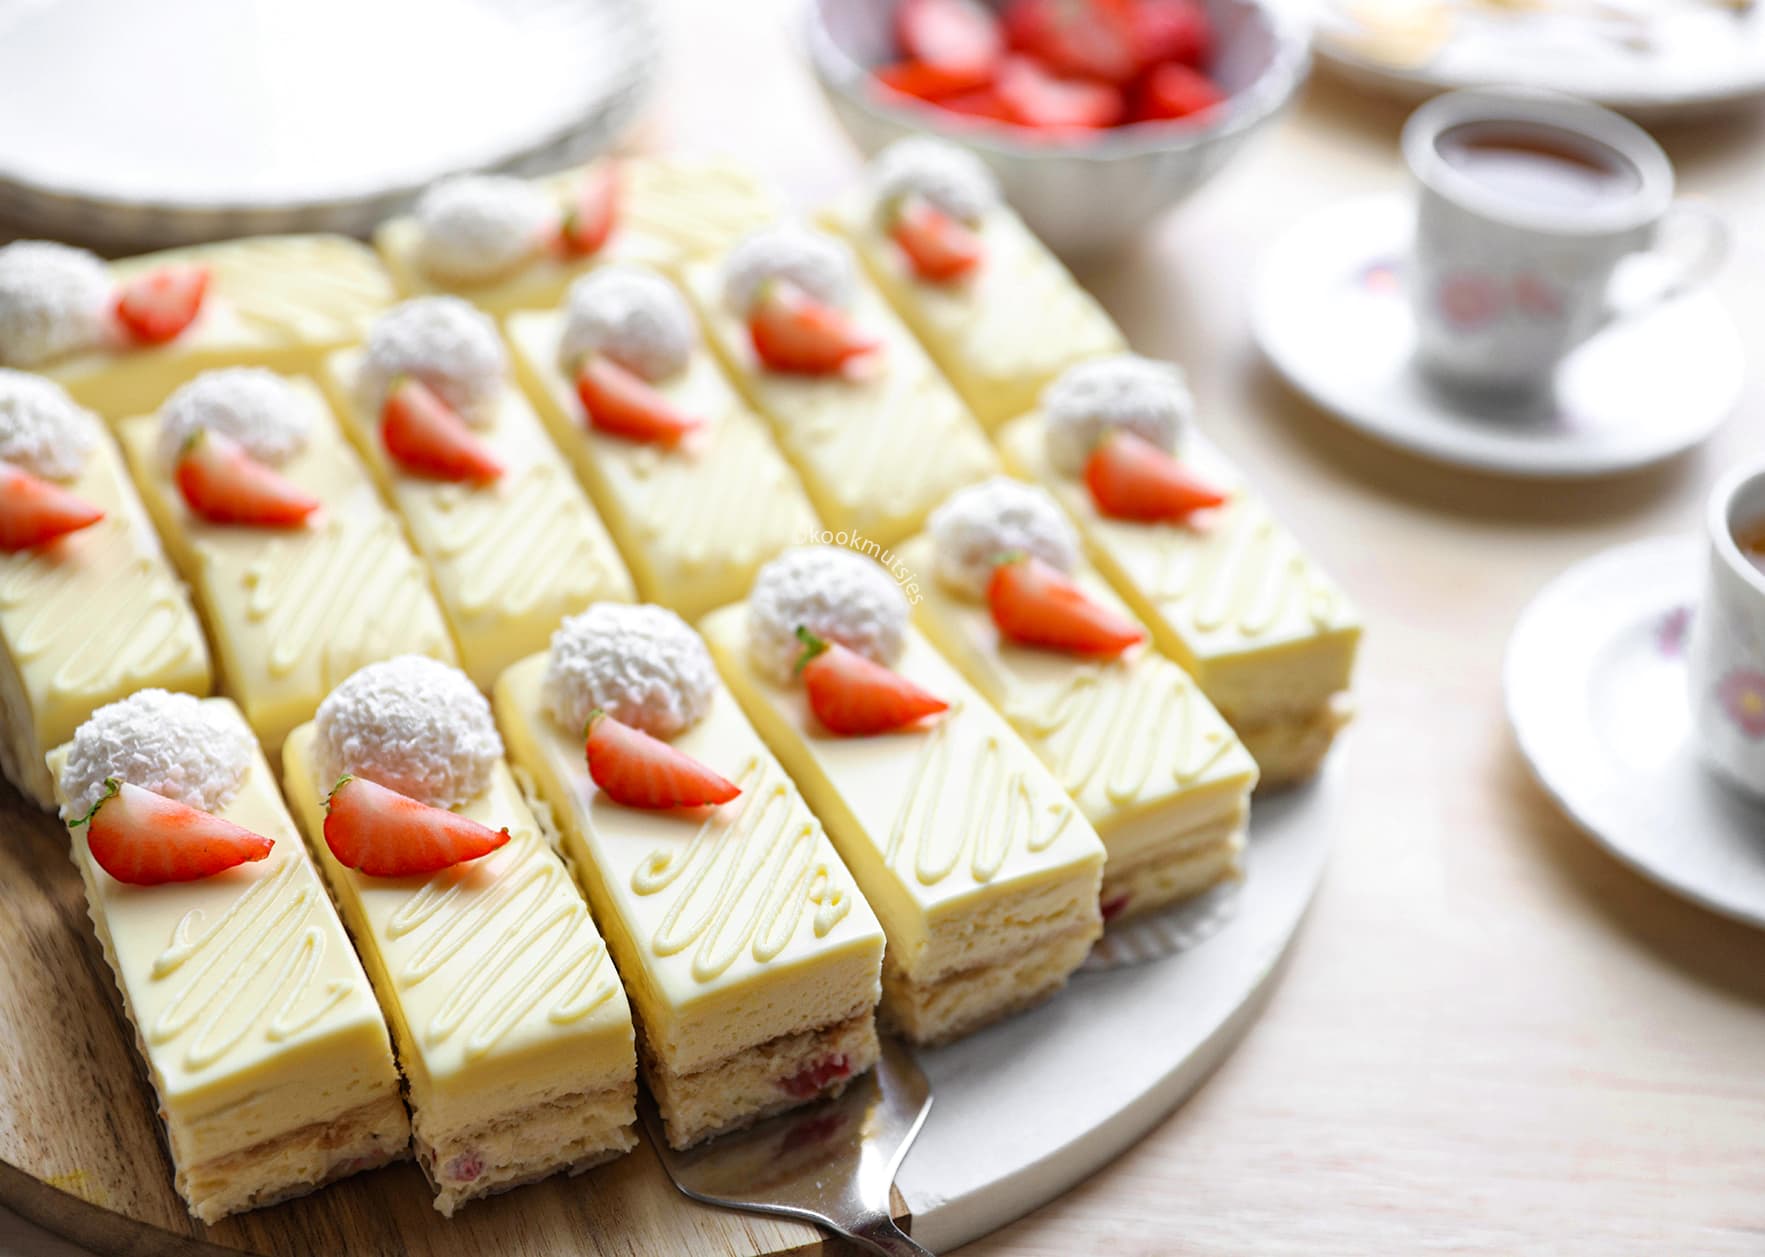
81,1151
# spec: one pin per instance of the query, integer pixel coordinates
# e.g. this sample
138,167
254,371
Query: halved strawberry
958,40
931,82
982,103
1131,478
383,833
146,839
1174,91
1092,39
1172,30
792,331
593,212
939,246
1036,603
1038,99
35,511
850,694
622,402
638,770
155,306
224,484
427,436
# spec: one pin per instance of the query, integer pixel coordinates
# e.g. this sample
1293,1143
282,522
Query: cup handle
1694,263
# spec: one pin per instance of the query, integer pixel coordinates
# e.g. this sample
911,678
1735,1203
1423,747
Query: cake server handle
879,1234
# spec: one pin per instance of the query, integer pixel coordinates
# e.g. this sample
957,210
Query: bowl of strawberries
1096,115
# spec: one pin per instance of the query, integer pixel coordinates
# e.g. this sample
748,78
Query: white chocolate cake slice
982,871
259,1031
512,1031
510,558
290,611
1230,596
694,519
667,209
1003,331
282,302
877,447
751,960
94,615
1155,769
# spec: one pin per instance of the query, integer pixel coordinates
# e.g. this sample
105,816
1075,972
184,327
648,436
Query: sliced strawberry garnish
427,436
1036,603
638,770
1131,478
35,511
154,307
981,103
1172,91
1092,39
1036,98
146,839
937,244
622,402
224,484
383,833
593,212
850,694
959,40
1172,30
931,82
792,331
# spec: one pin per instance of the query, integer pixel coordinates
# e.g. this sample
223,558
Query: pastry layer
876,450
509,559
697,521
731,926
1133,740
1291,748
1002,333
1233,599
250,1008
963,843
938,1010
496,985
761,1081
1211,856
281,302
87,620
292,612
670,209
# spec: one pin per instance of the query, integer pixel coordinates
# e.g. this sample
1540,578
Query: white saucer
1330,312
1595,686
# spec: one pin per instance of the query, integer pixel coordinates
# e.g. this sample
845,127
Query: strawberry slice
383,833
593,213
938,246
35,511
794,332
1091,39
959,40
931,82
622,402
1131,478
427,436
850,694
146,839
1174,91
1038,99
1036,603
981,103
1171,30
224,484
155,306
638,770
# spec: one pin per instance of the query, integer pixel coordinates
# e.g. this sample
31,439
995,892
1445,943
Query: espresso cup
1529,202
1726,653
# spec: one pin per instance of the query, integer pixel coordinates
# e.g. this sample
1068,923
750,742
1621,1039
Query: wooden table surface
1492,1037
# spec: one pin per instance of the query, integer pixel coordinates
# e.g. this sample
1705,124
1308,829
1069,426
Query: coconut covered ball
448,344
411,724
171,744
476,228
946,177
1092,399
641,665
633,316
54,300
812,260
837,595
42,429
978,525
254,406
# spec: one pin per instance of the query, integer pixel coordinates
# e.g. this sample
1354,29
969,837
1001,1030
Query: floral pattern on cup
1743,697
1536,297
1671,632
1468,300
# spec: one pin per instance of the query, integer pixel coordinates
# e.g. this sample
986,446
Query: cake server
831,1163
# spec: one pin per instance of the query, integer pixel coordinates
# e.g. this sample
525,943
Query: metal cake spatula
832,1163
